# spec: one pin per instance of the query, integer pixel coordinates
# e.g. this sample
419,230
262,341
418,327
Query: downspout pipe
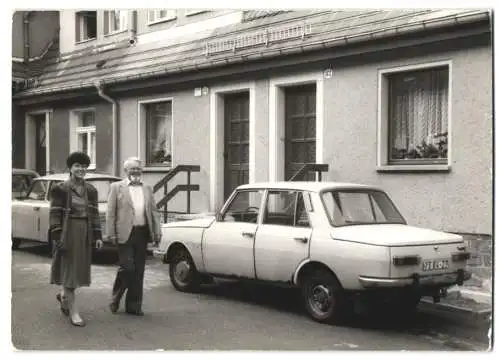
114,116
132,28
26,36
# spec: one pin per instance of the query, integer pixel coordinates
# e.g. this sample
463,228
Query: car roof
25,172
88,176
307,186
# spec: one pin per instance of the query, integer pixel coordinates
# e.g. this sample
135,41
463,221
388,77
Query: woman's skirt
71,266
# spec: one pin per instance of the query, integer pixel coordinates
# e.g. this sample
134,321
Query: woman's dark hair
78,157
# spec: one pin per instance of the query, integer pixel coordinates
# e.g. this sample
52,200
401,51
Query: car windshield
102,186
365,206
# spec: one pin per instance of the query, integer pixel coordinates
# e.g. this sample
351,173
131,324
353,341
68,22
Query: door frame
277,119
217,139
30,134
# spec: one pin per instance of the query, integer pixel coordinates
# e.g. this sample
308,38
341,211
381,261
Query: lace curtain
419,114
159,127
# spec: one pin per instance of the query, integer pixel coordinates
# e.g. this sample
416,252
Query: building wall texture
460,200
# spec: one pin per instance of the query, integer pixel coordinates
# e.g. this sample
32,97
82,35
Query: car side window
20,184
38,191
244,207
301,216
286,208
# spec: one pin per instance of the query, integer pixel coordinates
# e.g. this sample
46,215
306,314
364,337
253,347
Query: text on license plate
435,265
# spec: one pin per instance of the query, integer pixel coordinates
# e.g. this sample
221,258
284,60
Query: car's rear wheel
323,296
183,273
16,242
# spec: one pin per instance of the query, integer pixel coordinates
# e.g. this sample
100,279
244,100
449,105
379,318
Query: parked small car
335,241
21,181
30,212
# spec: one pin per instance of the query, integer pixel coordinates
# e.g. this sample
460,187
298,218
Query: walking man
132,221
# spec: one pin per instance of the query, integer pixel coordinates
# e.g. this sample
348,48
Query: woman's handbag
60,244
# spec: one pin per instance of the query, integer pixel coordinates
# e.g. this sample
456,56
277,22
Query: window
156,16
348,207
84,137
38,191
286,208
158,133
85,25
190,12
418,116
115,21
244,207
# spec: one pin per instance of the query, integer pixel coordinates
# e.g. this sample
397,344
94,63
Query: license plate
435,265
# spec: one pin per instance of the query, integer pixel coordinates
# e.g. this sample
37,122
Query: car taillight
458,257
406,260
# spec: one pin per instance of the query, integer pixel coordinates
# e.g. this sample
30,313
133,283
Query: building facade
398,99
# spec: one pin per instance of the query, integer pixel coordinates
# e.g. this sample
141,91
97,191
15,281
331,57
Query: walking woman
74,227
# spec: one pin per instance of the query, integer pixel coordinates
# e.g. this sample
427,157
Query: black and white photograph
230,178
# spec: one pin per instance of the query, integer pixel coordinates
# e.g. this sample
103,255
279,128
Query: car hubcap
321,299
182,271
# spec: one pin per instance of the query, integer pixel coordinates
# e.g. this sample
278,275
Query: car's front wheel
183,273
323,296
16,242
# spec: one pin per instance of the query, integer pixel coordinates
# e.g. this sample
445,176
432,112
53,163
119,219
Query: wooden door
300,129
236,141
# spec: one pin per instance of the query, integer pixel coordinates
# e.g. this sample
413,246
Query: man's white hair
130,161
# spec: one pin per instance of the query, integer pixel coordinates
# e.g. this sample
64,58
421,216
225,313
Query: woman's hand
98,244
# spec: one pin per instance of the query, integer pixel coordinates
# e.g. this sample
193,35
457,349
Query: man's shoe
135,313
113,307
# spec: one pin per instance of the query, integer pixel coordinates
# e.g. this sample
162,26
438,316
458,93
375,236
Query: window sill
84,41
421,168
163,20
116,32
91,167
157,169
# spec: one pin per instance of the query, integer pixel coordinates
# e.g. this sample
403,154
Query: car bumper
442,279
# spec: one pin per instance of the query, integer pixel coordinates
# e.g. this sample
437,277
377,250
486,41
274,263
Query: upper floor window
115,21
190,12
156,16
85,25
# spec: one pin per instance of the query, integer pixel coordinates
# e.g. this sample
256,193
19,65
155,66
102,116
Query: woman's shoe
79,323
64,309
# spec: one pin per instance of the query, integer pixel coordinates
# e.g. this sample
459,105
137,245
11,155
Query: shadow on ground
290,300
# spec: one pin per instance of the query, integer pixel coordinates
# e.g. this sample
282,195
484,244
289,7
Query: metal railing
309,167
169,194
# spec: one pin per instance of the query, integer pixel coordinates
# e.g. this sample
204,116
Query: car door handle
301,239
247,234
36,208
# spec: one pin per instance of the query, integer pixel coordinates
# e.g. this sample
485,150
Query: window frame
142,141
45,182
192,12
296,194
158,20
383,126
76,129
107,25
230,201
78,18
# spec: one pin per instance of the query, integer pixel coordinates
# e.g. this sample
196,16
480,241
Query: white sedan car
333,240
30,211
